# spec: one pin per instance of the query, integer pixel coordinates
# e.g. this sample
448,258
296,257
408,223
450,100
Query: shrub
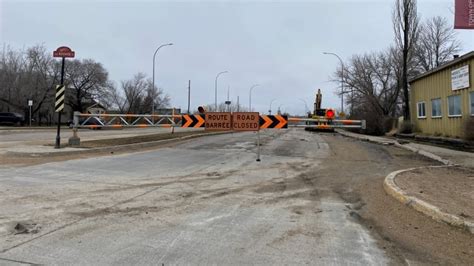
406,127
390,124
469,129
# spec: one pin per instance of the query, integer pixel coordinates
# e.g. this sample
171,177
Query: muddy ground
360,169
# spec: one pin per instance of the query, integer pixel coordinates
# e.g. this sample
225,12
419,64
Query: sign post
62,52
248,121
258,146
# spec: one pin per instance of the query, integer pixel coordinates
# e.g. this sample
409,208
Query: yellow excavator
323,118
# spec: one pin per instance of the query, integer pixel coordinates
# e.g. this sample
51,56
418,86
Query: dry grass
137,139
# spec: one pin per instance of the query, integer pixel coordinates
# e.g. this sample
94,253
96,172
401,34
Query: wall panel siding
438,85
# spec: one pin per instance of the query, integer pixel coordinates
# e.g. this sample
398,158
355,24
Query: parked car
14,119
92,121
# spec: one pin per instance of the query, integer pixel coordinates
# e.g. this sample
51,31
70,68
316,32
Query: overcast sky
278,45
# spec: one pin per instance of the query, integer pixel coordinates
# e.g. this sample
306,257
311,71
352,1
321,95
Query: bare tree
44,74
29,74
436,44
405,24
373,78
12,71
87,79
106,97
154,95
222,107
134,91
117,100
137,95
374,85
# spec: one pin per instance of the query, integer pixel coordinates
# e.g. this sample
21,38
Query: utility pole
238,104
228,101
189,95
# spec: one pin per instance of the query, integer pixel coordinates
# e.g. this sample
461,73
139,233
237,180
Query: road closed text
248,121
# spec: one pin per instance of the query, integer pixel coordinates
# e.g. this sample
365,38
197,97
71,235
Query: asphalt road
207,201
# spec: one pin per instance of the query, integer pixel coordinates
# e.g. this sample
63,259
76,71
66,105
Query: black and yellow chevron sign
273,121
196,120
59,103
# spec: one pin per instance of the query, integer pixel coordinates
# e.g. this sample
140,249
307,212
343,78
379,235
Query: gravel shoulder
450,189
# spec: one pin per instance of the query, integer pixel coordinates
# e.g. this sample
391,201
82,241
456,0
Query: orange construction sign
193,120
239,121
218,121
248,121
273,121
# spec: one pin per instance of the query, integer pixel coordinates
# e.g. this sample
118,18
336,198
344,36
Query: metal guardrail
124,120
323,123
144,121
171,121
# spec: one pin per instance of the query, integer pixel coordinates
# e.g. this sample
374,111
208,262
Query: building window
472,102
454,105
436,108
421,111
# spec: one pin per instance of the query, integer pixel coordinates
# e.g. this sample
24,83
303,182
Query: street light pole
189,95
250,96
153,100
305,105
279,109
215,99
270,110
342,80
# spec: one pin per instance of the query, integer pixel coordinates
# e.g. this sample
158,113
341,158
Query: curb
429,155
117,148
397,144
422,206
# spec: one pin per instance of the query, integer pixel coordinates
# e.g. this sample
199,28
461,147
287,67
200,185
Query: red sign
63,51
464,14
330,114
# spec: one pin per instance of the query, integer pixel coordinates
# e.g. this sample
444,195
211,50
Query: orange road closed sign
217,121
246,121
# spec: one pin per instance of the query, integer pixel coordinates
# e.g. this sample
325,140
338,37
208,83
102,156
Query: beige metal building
442,99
